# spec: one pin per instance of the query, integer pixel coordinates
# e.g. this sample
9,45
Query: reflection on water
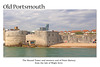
49,52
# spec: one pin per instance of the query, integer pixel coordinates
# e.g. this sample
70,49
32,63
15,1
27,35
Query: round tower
15,38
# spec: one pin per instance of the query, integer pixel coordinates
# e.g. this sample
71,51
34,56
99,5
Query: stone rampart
15,38
79,38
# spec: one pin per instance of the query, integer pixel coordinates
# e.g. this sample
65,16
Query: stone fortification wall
44,38
53,38
40,38
79,38
15,38
47,38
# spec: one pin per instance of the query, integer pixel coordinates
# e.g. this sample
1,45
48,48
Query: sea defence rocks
15,38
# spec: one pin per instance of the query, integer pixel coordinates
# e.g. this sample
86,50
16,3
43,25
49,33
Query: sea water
49,52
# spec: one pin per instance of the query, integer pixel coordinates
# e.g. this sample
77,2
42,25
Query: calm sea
49,52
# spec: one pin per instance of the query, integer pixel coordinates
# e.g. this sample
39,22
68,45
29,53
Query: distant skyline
60,20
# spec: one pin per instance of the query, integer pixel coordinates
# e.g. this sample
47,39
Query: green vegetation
66,33
92,33
78,33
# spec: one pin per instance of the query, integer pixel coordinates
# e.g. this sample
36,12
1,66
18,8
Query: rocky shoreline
62,45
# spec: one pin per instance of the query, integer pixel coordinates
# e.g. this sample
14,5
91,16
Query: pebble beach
74,45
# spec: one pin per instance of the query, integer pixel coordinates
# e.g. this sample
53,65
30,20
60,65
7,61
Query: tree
92,33
78,33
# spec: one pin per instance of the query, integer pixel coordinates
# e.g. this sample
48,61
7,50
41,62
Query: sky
58,19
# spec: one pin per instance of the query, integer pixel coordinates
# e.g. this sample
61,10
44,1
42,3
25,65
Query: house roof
85,30
74,31
69,31
61,31
65,31
93,30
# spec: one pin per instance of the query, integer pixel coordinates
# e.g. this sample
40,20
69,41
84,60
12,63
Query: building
93,31
85,32
42,28
15,37
46,28
69,32
65,32
44,38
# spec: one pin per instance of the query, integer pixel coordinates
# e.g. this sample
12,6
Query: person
94,41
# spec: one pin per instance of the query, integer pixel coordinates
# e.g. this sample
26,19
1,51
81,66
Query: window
32,42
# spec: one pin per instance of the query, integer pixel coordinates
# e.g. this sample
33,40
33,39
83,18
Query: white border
53,4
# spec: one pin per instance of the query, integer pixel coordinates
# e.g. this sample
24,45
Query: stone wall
44,38
53,38
79,38
40,38
47,38
15,38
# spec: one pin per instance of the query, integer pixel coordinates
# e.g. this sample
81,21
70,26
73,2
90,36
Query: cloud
58,19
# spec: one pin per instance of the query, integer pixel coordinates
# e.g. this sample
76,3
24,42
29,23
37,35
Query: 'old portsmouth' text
14,6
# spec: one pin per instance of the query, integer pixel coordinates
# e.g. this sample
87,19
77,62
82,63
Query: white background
53,4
